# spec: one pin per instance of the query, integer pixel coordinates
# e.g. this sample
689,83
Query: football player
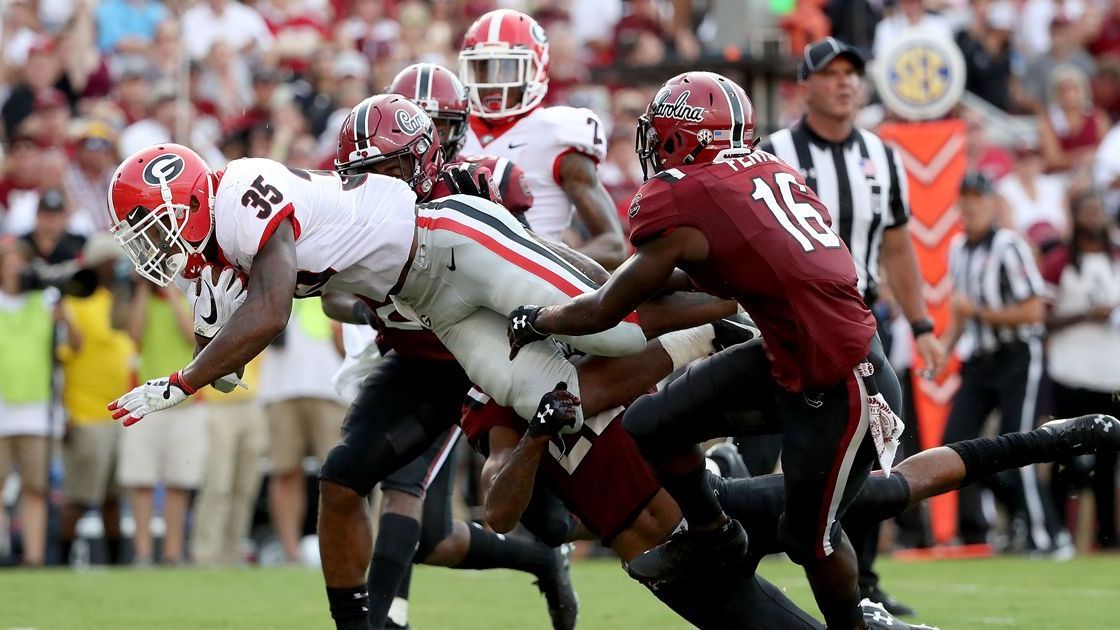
504,65
456,265
744,225
417,383
602,478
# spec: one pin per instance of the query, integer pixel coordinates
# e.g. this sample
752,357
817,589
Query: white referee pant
474,264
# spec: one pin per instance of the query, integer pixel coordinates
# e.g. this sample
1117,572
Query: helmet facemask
408,160
646,144
153,239
456,135
504,71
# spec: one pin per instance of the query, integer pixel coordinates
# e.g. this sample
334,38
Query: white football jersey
352,234
536,142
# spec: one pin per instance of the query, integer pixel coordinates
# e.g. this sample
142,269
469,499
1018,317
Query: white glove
155,395
213,302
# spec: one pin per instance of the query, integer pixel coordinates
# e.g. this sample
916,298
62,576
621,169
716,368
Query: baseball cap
976,182
821,53
52,200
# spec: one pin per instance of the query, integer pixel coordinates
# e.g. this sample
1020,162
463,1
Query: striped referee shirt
995,272
862,183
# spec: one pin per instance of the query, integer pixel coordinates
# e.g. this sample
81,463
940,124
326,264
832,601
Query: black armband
921,327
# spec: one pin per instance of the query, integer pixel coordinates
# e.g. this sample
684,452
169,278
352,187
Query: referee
862,182
997,315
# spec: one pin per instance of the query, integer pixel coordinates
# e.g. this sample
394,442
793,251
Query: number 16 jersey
352,234
771,249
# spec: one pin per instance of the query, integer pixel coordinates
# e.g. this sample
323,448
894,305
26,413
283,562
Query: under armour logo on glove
558,413
520,329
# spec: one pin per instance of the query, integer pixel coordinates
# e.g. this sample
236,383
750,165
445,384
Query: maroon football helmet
390,127
695,118
440,93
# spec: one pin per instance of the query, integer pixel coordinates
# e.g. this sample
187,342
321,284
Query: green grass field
1014,593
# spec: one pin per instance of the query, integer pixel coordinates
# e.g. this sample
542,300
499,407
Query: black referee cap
821,53
976,182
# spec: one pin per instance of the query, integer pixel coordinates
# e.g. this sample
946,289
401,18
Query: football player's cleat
892,605
728,460
877,618
734,330
1085,435
556,586
690,550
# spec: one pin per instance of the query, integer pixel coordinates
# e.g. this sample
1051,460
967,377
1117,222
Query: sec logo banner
920,77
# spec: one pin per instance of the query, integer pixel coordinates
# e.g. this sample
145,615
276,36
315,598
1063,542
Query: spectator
43,71
86,69
1034,34
238,440
304,413
368,30
1072,127
1084,277
167,53
981,155
854,21
25,387
49,123
128,26
168,449
908,16
986,47
1106,40
159,127
298,29
50,242
20,31
1064,49
228,21
1031,197
19,185
96,360
1106,170
133,88
87,177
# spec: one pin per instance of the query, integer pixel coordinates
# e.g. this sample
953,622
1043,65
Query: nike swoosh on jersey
517,146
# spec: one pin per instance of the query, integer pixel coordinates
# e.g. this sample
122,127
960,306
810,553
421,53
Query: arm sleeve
898,203
513,185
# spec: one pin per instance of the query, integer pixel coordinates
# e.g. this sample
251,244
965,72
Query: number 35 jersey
536,142
771,249
352,234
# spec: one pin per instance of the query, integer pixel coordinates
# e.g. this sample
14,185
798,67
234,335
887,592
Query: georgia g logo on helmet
164,169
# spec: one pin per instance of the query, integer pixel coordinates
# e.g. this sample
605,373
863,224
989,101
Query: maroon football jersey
771,249
598,474
409,339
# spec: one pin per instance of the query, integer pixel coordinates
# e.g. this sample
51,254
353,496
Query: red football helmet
504,50
695,117
161,203
440,93
390,127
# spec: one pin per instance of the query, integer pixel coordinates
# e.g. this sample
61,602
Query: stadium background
86,82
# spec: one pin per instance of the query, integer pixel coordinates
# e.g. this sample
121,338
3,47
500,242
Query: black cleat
556,586
892,605
730,463
689,550
734,330
877,618
1085,435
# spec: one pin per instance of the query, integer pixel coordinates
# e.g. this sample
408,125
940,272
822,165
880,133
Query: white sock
686,346
398,611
